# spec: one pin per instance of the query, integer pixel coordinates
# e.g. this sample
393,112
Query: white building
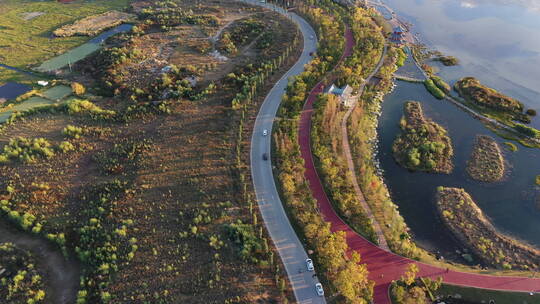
345,94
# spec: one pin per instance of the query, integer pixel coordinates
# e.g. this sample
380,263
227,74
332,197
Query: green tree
410,274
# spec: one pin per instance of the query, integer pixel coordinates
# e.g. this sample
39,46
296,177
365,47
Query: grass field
25,43
7,75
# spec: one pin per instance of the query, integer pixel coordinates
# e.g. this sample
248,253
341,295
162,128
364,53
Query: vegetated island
469,225
448,60
423,145
437,87
490,101
487,162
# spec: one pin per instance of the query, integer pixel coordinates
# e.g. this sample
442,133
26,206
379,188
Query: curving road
290,248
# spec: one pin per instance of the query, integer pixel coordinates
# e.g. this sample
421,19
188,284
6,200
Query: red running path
385,266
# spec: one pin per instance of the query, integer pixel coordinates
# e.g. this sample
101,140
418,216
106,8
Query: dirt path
347,153
61,275
385,266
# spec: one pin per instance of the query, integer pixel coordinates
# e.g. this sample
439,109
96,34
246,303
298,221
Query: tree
352,281
78,89
410,274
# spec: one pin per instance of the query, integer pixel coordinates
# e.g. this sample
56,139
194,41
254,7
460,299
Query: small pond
11,90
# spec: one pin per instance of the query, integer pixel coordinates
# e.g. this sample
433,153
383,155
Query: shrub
243,235
531,112
73,131
531,132
78,106
511,146
26,150
402,56
66,146
78,89
441,84
433,89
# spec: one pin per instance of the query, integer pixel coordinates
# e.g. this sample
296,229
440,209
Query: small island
490,100
470,226
448,60
423,145
486,163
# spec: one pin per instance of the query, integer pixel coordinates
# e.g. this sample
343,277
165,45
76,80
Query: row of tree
344,273
332,168
362,134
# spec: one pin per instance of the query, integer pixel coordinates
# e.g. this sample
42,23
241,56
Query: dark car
265,156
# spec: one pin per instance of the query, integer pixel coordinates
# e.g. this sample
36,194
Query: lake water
11,90
497,41
510,204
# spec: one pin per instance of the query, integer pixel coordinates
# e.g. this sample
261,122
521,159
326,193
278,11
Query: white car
311,37
319,289
265,132
309,264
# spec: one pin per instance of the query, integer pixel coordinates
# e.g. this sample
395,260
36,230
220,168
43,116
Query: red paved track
385,266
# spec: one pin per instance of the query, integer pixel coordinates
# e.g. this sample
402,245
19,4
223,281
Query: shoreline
488,123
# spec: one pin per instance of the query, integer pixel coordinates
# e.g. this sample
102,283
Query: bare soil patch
31,15
93,25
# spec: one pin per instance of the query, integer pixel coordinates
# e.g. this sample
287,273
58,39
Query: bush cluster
21,282
434,89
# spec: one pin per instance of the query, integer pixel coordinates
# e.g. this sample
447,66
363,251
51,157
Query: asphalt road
290,249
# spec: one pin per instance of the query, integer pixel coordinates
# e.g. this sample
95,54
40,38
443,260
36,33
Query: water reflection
511,204
497,41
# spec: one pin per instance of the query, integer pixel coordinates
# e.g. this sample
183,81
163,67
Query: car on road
265,132
311,37
309,265
319,289
265,156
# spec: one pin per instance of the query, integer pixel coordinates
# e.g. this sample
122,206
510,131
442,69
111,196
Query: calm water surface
510,204
497,41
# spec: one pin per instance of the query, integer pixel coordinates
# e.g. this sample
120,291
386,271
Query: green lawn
58,92
483,296
68,57
50,96
25,43
32,102
7,75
